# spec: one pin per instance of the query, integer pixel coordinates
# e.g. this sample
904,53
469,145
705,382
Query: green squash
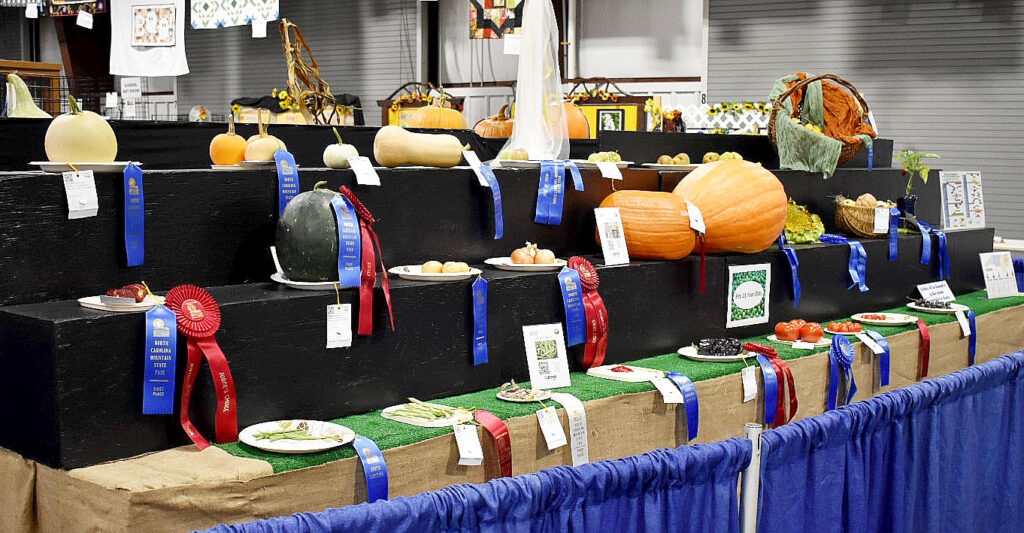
802,226
24,107
307,237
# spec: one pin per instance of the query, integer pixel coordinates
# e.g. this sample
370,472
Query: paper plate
460,417
414,272
94,302
505,263
583,163
515,163
690,352
892,319
821,343
659,166
258,163
544,395
344,436
304,285
847,333
57,168
954,307
223,168
638,375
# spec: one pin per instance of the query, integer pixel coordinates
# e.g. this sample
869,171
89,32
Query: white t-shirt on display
134,22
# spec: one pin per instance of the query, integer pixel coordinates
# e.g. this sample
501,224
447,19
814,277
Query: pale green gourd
24,107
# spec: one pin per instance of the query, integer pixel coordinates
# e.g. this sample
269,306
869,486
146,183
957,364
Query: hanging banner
161,355
349,245
287,178
492,183
134,216
479,321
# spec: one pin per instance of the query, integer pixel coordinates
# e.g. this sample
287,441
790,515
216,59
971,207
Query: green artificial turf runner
390,434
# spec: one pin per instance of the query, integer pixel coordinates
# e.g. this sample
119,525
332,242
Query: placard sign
545,356
613,238
1000,280
938,291
131,87
747,294
963,205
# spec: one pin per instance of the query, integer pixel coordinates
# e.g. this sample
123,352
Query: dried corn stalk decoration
316,103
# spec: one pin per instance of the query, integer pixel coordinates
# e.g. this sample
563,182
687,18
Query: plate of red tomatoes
799,330
885,319
844,328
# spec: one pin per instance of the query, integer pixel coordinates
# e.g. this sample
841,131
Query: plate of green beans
296,436
425,414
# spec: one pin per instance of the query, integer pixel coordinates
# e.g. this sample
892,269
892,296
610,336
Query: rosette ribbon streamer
943,248
858,265
882,358
782,375
595,310
198,317
369,265
840,355
925,349
794,267
926,239
894,226
502,441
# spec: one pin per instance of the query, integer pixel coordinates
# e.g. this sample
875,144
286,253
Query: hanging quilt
492,19
211,14
70,8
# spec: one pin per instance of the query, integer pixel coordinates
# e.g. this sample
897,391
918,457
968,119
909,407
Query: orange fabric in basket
842,110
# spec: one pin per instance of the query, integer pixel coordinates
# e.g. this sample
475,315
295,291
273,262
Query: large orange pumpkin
744,205
495,126
437,115
579,126
655,224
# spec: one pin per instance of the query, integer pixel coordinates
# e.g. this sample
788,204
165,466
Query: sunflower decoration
748,106
762,107
713,110
736,107
235,108
723,107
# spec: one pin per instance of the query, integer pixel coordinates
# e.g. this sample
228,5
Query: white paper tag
32,10
965,326
670,393
749,377
801,345
938,290
468,440
870,343
365,173
578,438
609,170
474,163
551,428
111,101
881,220
84,19
512,44
696,218
259,29
128,109
339,326
613,238
545,356
81,191
131,87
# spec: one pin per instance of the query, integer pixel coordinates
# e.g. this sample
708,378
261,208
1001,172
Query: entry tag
84,19
81,190
365,173
32,10
339,326
802,345
696,218
613,237
577,414
881,220
474,163
961,317
111,101
259,29
870,343
749,377
471,453
551,428
670,393
609,170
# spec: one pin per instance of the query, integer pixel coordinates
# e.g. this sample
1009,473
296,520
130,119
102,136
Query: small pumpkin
744,205
438,115
337,155
579,126
655,224
80,136
307,236
24,106
394,146
228,148
495,126
262,146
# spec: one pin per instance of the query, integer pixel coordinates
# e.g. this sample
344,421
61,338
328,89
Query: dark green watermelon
307,238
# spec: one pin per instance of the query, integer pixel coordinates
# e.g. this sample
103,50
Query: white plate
57,167
954,307
505,263
659,166
821,343
638,375
460,417
414,272
690,352
848,334
544,395
228,167
303,285
93,302
517,163
258,163
316,427
892,319
583,163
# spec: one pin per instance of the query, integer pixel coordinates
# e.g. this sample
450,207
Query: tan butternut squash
394,146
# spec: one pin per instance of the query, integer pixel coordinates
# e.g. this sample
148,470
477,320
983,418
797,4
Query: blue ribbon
883,358
349,247
572,301
871,156
771,389
550,193
479,321
972,340
689,401
577,178
492,183
858,263
374,468
134,216
926,240
287,178
943,252
840,354
894,226
794,267
160,364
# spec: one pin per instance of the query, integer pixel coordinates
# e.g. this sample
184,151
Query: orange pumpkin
744,205
495,126
438,115
227,148
579,126
655,224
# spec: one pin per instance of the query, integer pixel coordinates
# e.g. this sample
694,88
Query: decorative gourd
80,137
436,115
655,224
307,237
228,148
744,205
262,146
394,146
579,126
336,155
495,126
24,106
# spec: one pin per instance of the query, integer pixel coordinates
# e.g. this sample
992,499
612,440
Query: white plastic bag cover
540,125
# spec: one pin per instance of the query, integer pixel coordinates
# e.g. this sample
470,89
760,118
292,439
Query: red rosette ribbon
368,267
596,312
782,375
198,317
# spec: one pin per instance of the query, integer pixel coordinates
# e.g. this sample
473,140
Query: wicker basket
857,220
849,149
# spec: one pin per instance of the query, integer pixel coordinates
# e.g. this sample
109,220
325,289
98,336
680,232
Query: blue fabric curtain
691,488
942,455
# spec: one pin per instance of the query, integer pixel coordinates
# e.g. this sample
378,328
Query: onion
544,257
522,257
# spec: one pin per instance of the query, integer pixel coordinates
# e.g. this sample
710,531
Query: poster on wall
153,24
70,8
963,204
493,19
210,14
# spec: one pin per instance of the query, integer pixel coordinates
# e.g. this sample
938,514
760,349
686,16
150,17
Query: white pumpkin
336,155
80,137
262,146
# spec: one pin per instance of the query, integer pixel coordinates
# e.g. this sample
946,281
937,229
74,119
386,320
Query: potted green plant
913,164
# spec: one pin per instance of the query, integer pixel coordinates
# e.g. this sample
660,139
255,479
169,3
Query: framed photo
611,119
153,25
748,295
